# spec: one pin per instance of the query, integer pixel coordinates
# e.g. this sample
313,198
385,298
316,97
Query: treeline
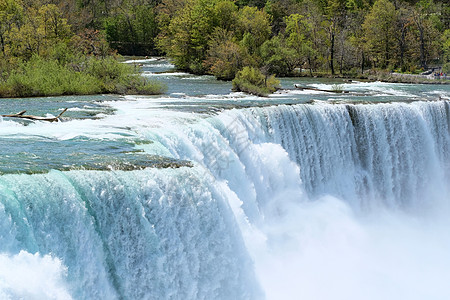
221,37
277,36
42,55
280,36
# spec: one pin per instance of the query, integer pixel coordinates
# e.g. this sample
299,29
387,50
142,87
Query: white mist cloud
322,250
32,277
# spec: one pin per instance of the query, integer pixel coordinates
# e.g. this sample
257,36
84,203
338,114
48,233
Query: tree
335,15
446,46
185,39
278,58
253,81
54,25
379,29
424,30
299,36
41,28
11,15
278,11
132,27
225,56
253,28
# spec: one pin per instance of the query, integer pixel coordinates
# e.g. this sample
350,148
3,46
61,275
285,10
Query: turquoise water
27,147
203,193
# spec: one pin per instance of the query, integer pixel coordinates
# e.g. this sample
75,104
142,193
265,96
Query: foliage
300,37
251,80
337,88
40,77
446,46
220,37
278,58
225,56
41,56
131,30
253,28
379,32
47,77
446,68
184,39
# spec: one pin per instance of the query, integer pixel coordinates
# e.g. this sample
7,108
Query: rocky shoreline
408,78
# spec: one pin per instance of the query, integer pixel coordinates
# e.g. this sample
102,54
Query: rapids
203,195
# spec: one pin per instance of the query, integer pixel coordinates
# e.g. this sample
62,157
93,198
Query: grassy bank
81,76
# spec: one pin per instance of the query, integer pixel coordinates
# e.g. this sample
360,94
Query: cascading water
308,201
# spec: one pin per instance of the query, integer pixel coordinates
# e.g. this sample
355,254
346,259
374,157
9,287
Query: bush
39,77
48,77
446,68
119,78
252,81
141,86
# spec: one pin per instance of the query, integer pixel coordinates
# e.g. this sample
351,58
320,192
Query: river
203,193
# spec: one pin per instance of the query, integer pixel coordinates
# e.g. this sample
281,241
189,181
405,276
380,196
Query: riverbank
393,77
384,76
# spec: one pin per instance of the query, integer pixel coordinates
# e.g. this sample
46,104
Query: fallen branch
320,90
22,115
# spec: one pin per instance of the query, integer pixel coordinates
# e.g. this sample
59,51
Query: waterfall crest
188,233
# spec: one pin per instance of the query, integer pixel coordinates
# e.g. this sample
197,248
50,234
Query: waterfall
197,232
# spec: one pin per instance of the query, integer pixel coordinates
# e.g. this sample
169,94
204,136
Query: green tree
253,28
446,46
278,11
299,36
131,27
253,81
335,13
424,31
379,29
185,39
225,15
225,56
11,15
278,58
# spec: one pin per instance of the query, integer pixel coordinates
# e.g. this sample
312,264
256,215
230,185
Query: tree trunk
362,62
402,46
423,61
2,42
332,52
386,51
310,67
419,24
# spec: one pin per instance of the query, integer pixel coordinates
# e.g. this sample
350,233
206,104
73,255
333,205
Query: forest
222,37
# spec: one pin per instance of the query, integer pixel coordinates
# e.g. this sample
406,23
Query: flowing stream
207,194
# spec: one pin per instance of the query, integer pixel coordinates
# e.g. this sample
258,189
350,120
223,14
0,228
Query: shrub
48,77
39,77
446,68
142,86
252,81
119,78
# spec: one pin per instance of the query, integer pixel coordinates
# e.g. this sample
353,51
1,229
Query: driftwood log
320,90
22,115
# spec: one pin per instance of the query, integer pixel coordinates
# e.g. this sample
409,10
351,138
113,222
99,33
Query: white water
295,202
27,276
